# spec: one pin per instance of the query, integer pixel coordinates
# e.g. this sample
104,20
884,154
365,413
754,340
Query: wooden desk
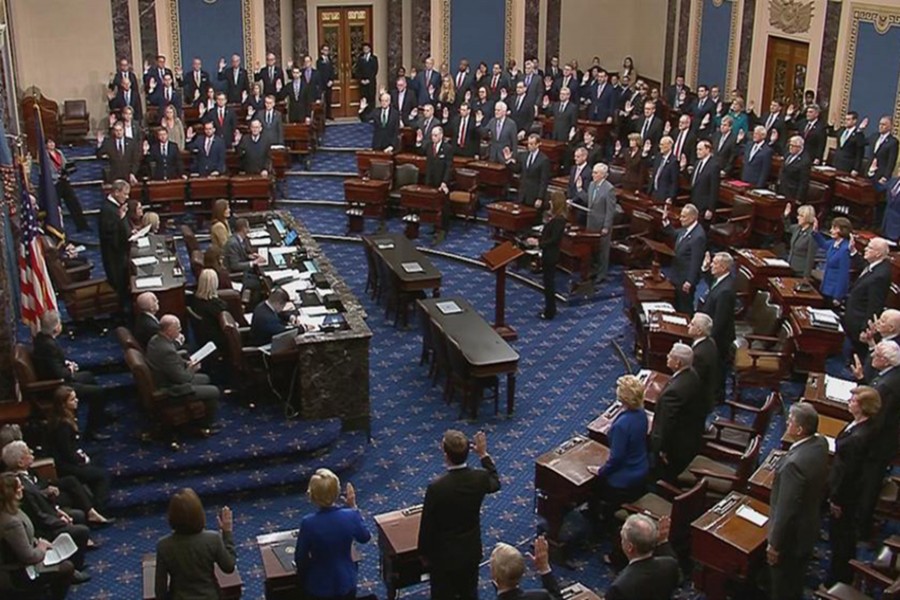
726,546
171,292
555,151
251,192
860,195
577,591
814,393
828,427
493,178
562,481
814,344
230,584
364,160
654,383
410,158
280,580
783,293
427,202
760,483
403,251
640,287
757,263
654,339
598,429
486,353
371,194
508,219
577,251
398,546
768,215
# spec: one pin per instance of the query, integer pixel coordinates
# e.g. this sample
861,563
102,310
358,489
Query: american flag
37,292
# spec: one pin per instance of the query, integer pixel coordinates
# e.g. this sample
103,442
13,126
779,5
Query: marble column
272,11
121,24
149,39
301,29
829,50
421,32
395,37
554,16
743,74
532,25
670,43
684,26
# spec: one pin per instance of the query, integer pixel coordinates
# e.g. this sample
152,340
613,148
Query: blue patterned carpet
259,466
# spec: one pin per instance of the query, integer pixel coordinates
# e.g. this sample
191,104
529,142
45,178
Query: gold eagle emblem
790,16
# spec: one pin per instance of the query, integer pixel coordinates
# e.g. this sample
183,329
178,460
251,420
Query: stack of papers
62,548
449,308
763,192
838,389
754,516
142,283
257,233
141,261
203,352
260,241
649,307
824,317
140,233
143,242
675,320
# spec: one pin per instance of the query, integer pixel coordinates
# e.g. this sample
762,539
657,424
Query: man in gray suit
176,375
270,118
600,202
502,132
239,258
797,493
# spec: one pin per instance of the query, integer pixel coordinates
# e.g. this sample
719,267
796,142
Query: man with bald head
502,133
868,294
386,122
438,173
146,323
176,375
885,328
663,184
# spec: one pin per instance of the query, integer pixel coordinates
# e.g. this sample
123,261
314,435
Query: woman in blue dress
836,273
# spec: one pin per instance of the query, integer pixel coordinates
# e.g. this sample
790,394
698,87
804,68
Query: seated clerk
269,319
239,257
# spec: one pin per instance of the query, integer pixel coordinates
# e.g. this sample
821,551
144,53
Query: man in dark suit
311,86
386,122
239,258
273,129
677,432
535,173
177,375
268,320
498,82
579,175
797,493
813,131
120,153
165,158
425,123
508,566
464,78
793,180
366,70
774,124
570,81
663,185
725,146
565,116
706,358
439,172
533,83
253,151
194,84
678,94
299,97
450,530
884,153
705,181
690,246
501,133
325,68
428,82
599,199
271,76
757,159
124,73
403,100
651,574
719,305
157,72
123,96
650,126
868,293
602,97
236,80
223,119
146,323
209,151
702,113
851,147
163,96
684,141
521,109
465,132
114,232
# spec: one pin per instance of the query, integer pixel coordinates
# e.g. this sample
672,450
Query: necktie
600,89
679,143
896,188
271,73
879,142
769,122
427,127
809,127
662,165
437,148
197,77
297,89
527,80
427,79
530,160
753,151
790,158
208,144
499,128
722,140
462,133
519,102
494,82
562,107
700,105
162,74
165,149
236,73
121,147
168,94
400,98
645,129
384,117
268,117
459,79
697,171
128,98
308,74
221,116
844,136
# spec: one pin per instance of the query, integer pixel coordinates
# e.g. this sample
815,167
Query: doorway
345,29
786,68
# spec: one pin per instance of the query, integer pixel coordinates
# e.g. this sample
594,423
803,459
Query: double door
345,29
786,65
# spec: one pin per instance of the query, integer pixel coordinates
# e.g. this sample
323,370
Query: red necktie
494,82
221,117
462,133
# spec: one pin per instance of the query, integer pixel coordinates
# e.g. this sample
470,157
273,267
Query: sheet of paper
752,515
79,248
449,308
264,254
838,389
63,547
283,250
674,320
279,274
249,318
578,206
142,283
776,262
832,443
203,352
140,233
141,261
644,374
259,242
314,311
143,242
237,286
412,267
258,233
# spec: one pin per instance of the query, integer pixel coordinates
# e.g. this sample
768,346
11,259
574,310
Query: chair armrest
869,573
700,473
669,488
761,338
733,425
45,468
45,385
740,406
766,353
893,542
80,270
726,452
637,510
739,219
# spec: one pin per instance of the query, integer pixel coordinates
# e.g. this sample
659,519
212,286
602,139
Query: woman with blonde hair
220,230
803,247
447,95
207,306
171,123
324,563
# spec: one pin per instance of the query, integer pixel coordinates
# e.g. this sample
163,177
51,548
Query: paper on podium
776,262
754,516
832,443
148,282
141,261
258,242
257,233
203,352
644,375
675,320
838,389
649,307
578,206
140,233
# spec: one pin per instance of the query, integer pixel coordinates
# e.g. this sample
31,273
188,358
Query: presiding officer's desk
230,584
163,274
398,545
332,366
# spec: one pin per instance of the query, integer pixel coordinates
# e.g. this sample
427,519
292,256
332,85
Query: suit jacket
551,591
885,154
214,161
600,201
654,133
534,178
383,134
494,90
273,130
563,120
688,146
145,327
719,305
165,166
158,98
48,358
585,176
679,419
434,82
154,73
708,368
323,553
522,113
299,99
673,92
38,507
551,240
450,532
236,255
705,186
426,126
113,234
779,126
234,87
603,104
725,151
849,155
689,250
866,298
802,249
170,370
325,69
652,578
185,563
574,87
664,177
119,165
116,82
887,421
699,110
438,167
189,85
793,181
797,490
269,81
134,101
409,103
225,126
366,69
814,137
756,170
266,323
255,156
471,142
506,139
852,447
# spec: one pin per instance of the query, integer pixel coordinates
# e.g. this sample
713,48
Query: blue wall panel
715,36
211,31
477,32
875,72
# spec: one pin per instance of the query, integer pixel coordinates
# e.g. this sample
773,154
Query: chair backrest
616,174
127,340
742,207
75,109
457,360
686,507
439,339
407,174
747,464
786,339
190,240
383,170
233,345
465,179
817,192
143,378
640,223
762,419
23,366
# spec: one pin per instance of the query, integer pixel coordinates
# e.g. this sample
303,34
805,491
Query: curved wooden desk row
197,194
190,115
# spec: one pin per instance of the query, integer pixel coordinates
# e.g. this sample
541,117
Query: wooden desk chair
404,175
37,392
762,318
764,368
616,174
394,298
744,292
727,470
888,505
75,122
127,340
85,299
818,195
427,354
736,435
245,368
464,198
190,240
868,582
735,231
76,271
382,170
441,363
631,251
472,386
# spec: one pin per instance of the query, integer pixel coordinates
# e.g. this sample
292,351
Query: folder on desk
449,307
142,283
385,245
412,267
754,516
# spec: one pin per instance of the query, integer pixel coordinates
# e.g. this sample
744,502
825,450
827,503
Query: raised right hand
363,103
222,63
787,209
226,520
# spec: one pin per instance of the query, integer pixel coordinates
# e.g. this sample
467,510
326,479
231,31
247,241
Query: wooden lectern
657,248
496,260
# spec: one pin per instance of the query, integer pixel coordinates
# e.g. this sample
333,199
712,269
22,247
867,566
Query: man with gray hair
719,304
793,180
797,493
677,433
599,199
757,159
650,575
508,567
501,132
706,358
868,294
690,246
